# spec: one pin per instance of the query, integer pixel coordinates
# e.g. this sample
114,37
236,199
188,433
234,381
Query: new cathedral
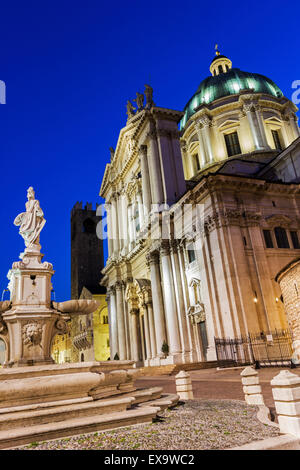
203,211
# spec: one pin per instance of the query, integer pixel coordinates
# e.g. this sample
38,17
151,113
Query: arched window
281,237
220,69
81,357
89,226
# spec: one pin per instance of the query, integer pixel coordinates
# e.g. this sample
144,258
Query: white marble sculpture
32,221
30,320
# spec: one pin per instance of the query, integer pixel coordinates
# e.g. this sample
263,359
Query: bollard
286,394
184,386
251,387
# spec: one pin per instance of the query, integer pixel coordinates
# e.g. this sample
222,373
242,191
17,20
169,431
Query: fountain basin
76,307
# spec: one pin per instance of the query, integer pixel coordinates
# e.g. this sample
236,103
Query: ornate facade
200,220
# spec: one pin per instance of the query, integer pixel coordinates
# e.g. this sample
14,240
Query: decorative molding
278,220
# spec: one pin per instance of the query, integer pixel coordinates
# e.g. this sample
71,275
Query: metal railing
272,349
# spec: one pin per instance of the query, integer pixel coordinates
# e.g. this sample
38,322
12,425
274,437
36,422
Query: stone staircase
39,422
173,369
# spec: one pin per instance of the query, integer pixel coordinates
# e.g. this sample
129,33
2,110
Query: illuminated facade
201,219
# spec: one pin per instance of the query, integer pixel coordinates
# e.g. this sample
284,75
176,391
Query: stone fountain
41,400
30,320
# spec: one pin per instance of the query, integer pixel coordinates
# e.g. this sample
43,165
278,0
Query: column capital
115,196
165,248
134,311
111,290
205,120
143,150
119,285
249,106
152,134
153,257
174,244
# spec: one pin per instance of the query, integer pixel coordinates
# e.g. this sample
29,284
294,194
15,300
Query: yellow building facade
88,335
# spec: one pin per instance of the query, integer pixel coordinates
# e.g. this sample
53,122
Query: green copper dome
229,83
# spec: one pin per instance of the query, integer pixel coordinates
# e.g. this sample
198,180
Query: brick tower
86,250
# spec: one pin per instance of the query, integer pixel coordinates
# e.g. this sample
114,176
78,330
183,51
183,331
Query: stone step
25,435
38,406
32,417
157,370
144,395
167,400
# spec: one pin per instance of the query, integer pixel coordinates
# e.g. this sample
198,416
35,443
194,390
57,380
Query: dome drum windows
232,144
279,237
196,162
276,139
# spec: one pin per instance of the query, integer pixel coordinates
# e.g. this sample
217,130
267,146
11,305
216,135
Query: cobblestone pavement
218,384
196,425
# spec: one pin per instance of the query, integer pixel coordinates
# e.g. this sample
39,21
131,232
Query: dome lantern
220,63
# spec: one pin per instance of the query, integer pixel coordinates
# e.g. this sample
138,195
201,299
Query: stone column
140,208
182,319
259,117
205,121
151,330
129,222
255,130
115,224
155,170
157,301
134,318
114,346
120,221
109,230
124,215
147,333
201,147
128,338
187,304
145,179
170,302
120,320
261,265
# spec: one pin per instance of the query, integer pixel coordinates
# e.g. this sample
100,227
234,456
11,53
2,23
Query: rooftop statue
149,96
32,221
130,109
139,100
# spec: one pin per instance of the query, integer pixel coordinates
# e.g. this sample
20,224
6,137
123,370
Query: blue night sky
69,68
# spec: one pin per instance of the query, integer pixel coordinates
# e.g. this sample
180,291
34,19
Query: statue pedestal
31,322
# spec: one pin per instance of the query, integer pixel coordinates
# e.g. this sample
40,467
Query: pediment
278,220
229,123
273,120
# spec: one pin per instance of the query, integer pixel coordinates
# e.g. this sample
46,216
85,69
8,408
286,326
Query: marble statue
130,109
32,221
139,100
149,96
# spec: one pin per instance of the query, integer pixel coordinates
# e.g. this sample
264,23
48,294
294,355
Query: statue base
31,322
